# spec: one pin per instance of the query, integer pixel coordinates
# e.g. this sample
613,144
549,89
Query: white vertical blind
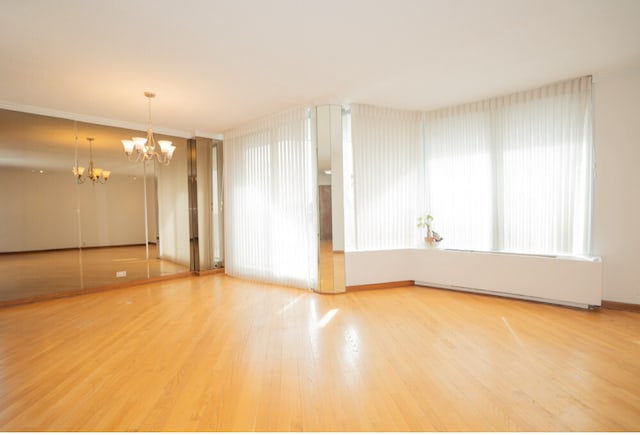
270,178
348,180
459,174
546,147
387,167
514,173
510,173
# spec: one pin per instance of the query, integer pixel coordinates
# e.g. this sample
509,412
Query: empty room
304,216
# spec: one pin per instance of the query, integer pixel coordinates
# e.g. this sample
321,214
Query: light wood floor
218,353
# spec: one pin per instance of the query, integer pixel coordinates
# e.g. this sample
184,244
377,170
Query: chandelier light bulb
139,149
96,175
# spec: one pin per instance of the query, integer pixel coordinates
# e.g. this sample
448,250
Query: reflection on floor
28,275
331,269
326,266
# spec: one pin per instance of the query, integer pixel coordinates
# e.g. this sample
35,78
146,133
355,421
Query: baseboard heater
507,295
571,281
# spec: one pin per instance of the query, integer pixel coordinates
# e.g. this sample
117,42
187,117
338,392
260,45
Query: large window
509,174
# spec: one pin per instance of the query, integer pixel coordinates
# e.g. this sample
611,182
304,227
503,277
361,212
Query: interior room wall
42,211
113,214
33,204
616,234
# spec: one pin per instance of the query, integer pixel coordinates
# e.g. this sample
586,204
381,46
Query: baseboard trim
86,291
505,295
382,285
622,306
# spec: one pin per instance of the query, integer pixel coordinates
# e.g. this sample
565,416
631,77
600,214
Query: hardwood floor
218,353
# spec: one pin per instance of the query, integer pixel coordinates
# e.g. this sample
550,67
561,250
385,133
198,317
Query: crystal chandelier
96,175
142,149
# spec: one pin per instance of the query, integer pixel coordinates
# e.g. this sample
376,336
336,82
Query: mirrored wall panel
64,231
331,267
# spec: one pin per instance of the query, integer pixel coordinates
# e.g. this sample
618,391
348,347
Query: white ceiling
215,64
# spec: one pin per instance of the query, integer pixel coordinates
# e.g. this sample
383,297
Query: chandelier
96,175
142,149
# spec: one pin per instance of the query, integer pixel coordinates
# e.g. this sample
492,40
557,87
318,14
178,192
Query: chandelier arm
163,159
150,148
151,140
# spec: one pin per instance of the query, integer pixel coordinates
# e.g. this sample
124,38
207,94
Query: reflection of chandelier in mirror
97,175
145,148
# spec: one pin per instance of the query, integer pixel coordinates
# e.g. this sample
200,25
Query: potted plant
432,238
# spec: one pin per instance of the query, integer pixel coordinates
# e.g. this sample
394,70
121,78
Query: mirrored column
330,200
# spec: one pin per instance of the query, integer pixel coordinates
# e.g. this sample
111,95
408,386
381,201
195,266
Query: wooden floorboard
216,353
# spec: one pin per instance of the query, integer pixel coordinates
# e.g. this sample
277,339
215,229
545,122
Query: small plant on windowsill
432,239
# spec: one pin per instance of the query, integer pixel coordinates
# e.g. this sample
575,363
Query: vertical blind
509,174
269,170
459,175
544,140
387,166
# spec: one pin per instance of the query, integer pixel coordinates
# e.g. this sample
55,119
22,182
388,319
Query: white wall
570,281
616,226
44,211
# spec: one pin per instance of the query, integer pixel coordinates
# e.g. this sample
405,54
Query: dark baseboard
622,306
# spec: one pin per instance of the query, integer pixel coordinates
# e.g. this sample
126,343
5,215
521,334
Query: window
510,174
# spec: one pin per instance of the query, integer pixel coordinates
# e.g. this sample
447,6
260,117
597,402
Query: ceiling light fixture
96,175
146,148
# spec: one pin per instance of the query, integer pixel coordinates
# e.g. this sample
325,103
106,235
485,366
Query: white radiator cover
565,280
